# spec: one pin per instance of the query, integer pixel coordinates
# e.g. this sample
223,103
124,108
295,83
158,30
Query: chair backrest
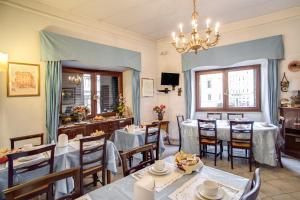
26,137
148,158
180,118
241,127
93,151
152,134
255,187
233,116
207,129
216,116
36,187
47,160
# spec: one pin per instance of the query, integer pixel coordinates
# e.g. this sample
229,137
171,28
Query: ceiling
157,18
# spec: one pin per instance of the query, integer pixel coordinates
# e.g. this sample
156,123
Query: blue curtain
188,93
53,91
269,48
273,83
136,100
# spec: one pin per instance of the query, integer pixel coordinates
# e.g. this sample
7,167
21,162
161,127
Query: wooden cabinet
108,126
292,131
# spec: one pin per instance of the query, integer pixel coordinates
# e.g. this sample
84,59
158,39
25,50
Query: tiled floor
277,183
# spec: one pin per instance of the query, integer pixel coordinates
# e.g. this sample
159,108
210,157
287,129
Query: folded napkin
161,182
144,189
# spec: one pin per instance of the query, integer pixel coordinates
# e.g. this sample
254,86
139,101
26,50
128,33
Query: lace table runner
188,190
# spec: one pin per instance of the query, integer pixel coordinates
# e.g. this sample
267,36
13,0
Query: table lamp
295,87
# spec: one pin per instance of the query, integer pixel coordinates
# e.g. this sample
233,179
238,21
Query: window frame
226,107
94,73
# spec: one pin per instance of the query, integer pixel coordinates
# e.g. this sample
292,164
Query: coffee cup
159,165
210,188
27,147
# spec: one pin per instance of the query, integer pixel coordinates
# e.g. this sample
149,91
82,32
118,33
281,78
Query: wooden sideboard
108,126
292,131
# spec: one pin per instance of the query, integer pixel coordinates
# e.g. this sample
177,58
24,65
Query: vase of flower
121,106
160,110
80,112
160,116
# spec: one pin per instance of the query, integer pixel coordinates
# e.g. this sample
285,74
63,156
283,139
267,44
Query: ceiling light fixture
197,41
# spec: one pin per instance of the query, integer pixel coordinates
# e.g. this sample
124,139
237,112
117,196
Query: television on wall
169,79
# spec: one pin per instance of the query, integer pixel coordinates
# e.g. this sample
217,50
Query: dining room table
176,185
264,139
66,157
126,140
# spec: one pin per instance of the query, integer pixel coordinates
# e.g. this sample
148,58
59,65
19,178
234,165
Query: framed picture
23,79
147,87
68,96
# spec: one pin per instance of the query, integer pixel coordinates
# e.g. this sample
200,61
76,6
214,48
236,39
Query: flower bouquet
160,110
81,112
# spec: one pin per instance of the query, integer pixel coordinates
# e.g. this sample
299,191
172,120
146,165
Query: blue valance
56,47
269,48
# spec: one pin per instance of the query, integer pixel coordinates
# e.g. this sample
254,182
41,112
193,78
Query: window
231,89
98,90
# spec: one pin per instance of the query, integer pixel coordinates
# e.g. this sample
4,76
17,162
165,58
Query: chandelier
75,79
197,41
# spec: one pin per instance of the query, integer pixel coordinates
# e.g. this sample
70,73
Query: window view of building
241,88
211,87
238,92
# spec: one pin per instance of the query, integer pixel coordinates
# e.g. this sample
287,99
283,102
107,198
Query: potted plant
121,106
160,110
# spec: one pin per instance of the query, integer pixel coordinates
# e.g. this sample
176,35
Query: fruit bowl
188,162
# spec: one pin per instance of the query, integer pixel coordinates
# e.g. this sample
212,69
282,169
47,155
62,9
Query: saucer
159,173
200,194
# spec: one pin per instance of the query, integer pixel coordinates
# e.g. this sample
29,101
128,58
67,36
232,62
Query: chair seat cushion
209,141
241,145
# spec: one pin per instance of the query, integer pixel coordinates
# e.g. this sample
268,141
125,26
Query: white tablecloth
123,188
65,158
126,141
264,139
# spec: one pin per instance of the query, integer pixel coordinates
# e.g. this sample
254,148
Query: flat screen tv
169,79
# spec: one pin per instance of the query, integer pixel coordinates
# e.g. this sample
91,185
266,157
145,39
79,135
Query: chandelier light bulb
217,27
207,22
174,36
180,27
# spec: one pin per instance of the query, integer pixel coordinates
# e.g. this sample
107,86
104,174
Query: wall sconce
3,61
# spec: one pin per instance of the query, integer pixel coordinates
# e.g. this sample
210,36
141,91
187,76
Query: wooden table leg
108,173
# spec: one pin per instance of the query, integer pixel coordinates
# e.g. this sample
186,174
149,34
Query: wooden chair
237,142
280,140
255,187
29,167
180,119
37,186
215,116
208,136
233,116
93,159
26,137
152,136
148,158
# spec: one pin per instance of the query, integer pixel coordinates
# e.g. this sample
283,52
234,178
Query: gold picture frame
23,79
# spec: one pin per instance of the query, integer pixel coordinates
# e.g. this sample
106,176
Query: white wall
19,37
286,22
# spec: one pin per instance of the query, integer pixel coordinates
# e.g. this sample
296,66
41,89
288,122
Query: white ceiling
157,18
